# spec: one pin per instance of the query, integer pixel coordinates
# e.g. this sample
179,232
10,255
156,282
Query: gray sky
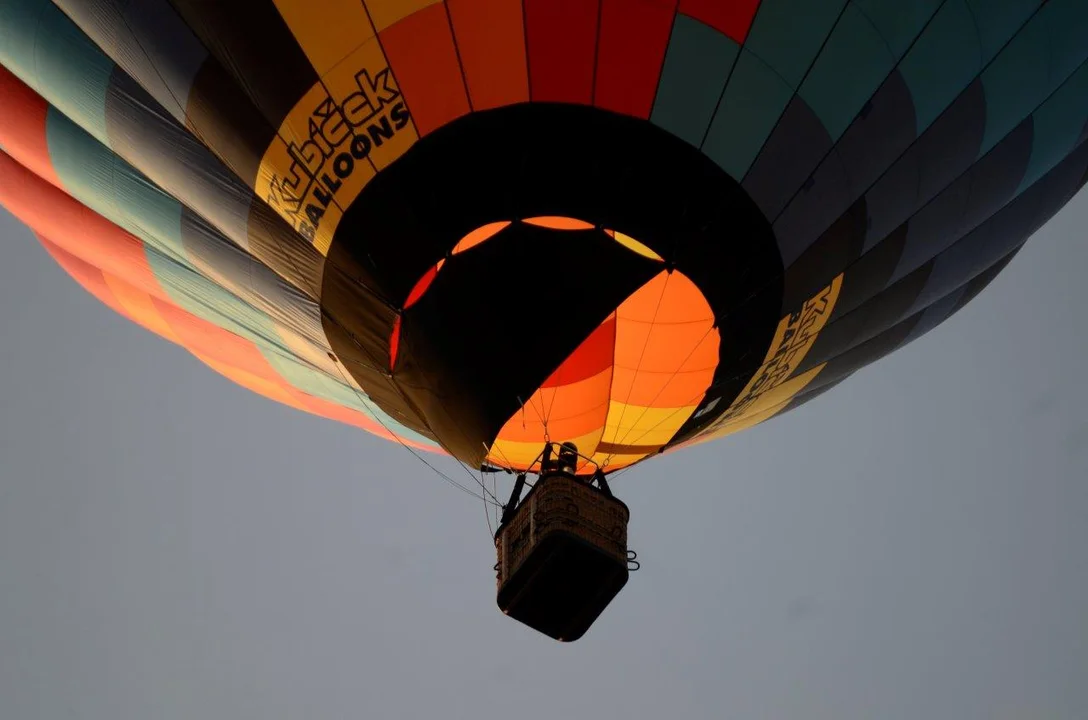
172,546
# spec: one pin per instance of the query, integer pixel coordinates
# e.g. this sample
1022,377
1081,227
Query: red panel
732,17
562,38
421,52
394,343
491,42
631,52
421,287
22,127
75,227
592,357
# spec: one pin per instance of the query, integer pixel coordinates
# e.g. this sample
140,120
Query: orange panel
254,383
421,53
22,127
491,42
559,223
666,348
668,298
88,276
479,235
571,410
74,227
339,413
214,344
141,308
663,390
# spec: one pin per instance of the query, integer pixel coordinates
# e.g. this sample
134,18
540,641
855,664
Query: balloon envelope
476,225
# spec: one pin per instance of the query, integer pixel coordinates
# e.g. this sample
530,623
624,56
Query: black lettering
314,213
323,196
360,147
343,165
400,116
330,183
380,131
307,231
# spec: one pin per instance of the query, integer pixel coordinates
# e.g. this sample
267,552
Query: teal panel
697,64
316,383
50,54
944,61
1067,21
898,21
1039,59
753,102
199,296
788,34
999,20
1058,126
94,175
849,70
105,183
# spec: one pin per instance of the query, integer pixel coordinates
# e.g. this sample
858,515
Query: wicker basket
562,557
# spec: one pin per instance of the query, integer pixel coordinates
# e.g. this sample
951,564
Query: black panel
867,321
500,318
227,122
836,249
254,45
867,352
878,136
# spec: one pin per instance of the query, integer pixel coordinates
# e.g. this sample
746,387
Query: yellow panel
616,461
635,425
372,103
793,339
327,34
332,143
631,244
384,13
767,406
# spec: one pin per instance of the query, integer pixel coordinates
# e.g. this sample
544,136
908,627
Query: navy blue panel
791,153
827,188
808,395
883,130
935,314
977,285
868,320
940,155
1008,229
969,201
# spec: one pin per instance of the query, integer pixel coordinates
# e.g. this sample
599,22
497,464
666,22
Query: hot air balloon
549,237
